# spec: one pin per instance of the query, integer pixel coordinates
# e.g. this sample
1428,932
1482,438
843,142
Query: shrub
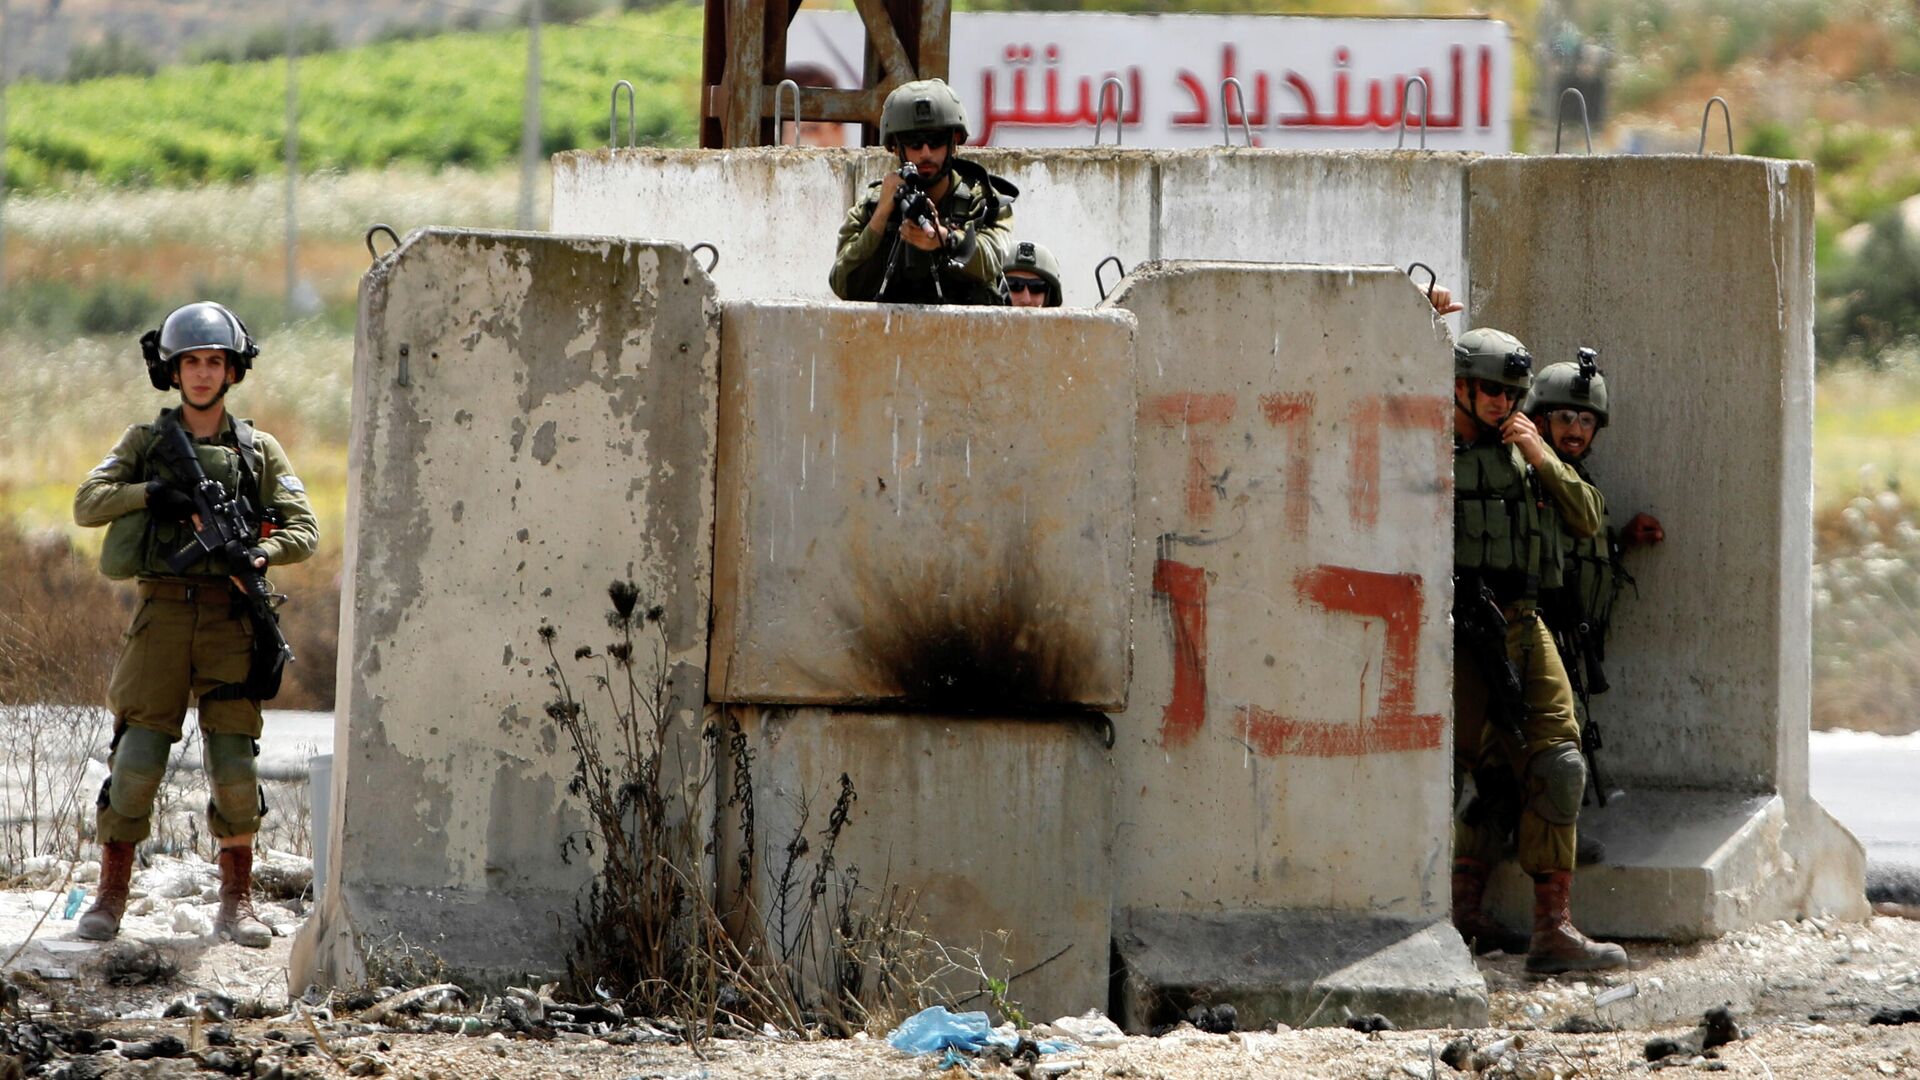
112,55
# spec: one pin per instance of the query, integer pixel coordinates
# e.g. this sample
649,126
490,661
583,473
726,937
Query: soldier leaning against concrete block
1569,403
954,252
1515,728
191,636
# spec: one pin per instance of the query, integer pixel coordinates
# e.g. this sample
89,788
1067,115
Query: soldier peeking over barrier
1033,276
938,229
197,504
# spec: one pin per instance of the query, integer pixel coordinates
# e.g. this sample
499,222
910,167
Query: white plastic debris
1091,1028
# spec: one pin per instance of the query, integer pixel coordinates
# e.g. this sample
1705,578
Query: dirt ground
1804,994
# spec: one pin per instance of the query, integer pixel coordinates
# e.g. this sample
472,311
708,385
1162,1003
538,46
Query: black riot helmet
201,325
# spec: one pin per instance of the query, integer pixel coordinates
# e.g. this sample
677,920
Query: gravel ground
1803,993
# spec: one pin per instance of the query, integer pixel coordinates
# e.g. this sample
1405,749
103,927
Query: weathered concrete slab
1084,205
1284,748
1299,968
534,417
992,832
926,505
1693,277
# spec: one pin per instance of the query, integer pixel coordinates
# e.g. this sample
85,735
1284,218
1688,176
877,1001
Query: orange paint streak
1295,409
1402,412
1190,412
1185,590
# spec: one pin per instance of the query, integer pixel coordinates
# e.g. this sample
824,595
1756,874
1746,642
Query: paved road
1872,784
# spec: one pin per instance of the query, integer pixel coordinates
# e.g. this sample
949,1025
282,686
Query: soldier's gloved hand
241,560
168,503
1643,531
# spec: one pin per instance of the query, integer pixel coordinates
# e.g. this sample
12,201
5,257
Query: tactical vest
1590,580
138,546
973,199
1505,527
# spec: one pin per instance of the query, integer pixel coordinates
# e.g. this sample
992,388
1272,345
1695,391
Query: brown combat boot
237,920
1557,947
102,920
1481,933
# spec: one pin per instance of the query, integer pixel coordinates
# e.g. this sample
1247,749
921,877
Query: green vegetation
449,100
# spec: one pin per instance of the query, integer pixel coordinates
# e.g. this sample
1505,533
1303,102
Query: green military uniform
189,637
978,206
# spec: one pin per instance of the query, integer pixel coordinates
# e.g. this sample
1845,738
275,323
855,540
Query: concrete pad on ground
1693,277
923,504
987,835
534,417
1299,968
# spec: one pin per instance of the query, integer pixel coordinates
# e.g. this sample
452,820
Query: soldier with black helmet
1516,732
936,230
192,636
1569,403
1033,276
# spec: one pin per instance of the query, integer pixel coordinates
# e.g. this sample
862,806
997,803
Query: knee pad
234,780
139,765
1556,780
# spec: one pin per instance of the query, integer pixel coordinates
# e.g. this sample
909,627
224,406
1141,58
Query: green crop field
454,99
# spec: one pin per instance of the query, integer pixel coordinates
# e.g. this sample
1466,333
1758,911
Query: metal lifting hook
784,83
1725,114
1100,281
613,117
1426,111
1433,279
1561,114
1119,109
388,229
711,249
1239,92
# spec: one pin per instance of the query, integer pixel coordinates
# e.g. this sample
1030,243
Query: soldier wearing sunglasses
1569,402
1515,729
938,229
1033,276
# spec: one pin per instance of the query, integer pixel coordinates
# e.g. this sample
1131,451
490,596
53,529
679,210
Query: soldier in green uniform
1516,732
191,636
1569,403
1033,276
947,240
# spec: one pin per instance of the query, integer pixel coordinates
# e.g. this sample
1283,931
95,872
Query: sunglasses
1015,285
1494,389
1575,418
915,140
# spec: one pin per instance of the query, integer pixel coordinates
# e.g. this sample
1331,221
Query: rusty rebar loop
613,117
714,251
1119,110
784,83
1426,111
1706,114
1100,281
381,228
1433,279
1239,92
1560,114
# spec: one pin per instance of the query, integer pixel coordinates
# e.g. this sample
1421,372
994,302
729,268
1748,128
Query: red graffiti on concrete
1406,412
1185,589
1295,409
1396,600
1192,413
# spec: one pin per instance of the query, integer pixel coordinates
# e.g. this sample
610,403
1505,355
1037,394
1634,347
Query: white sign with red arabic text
1039,79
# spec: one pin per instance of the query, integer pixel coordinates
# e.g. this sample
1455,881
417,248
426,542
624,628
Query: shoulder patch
292,483
106,463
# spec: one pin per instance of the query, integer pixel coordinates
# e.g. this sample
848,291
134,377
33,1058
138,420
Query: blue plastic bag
936,1028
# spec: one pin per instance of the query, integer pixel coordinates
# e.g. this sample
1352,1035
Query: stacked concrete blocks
534,418
1284,753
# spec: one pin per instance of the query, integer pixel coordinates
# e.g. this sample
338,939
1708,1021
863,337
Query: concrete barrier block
987,835
534,417
1084,205
925,505
1693,277
1285,746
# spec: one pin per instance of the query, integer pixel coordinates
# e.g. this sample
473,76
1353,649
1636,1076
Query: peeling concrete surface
534,419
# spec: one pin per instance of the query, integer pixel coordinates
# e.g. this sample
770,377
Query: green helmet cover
922,105
1035,259
1493,355
1570,385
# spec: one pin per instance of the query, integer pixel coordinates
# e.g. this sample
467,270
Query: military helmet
1037,260
923,105
1571,385
200,325
1493,355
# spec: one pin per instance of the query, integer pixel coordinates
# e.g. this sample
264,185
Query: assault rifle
226,528
1580,650
911,203
1480,628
